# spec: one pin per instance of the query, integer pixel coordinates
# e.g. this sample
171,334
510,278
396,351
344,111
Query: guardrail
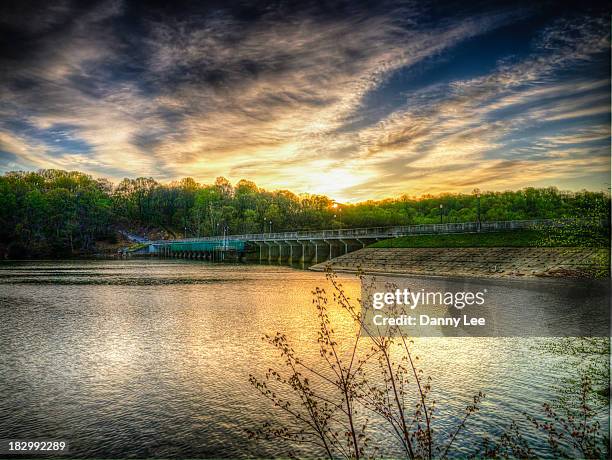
384,232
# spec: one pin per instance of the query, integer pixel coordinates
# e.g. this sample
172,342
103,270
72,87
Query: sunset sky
353,100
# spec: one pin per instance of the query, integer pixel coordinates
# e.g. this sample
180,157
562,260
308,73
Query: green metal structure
206,246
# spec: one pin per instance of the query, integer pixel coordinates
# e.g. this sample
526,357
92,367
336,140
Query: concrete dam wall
499,262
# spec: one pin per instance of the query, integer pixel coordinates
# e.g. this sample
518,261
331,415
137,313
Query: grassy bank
512,239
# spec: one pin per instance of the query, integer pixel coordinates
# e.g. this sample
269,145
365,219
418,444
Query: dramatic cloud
349,100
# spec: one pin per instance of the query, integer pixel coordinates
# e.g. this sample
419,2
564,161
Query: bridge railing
377,232
382,232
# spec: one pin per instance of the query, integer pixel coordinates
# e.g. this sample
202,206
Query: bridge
316,245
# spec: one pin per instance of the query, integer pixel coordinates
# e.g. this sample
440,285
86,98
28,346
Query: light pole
441,212
337,214
479,222
270,225
477,192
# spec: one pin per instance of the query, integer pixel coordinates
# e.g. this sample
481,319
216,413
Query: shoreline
500,263
559,264
459,278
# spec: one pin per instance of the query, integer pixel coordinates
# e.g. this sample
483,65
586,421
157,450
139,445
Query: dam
313,246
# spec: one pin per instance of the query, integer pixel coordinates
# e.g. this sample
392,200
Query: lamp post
477,192
441,212
479,221
270,225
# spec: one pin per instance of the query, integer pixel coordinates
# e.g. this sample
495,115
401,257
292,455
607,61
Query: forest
54,213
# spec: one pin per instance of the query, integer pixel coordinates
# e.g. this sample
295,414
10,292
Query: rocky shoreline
498,262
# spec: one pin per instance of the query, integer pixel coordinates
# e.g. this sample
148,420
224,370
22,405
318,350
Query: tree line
54,213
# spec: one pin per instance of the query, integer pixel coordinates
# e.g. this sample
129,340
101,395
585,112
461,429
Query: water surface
149,358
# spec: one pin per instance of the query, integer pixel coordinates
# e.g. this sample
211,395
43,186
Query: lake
151,358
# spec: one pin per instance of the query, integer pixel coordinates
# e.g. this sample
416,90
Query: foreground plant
372,378
570,424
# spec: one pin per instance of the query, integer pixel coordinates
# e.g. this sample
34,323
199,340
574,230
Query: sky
355,100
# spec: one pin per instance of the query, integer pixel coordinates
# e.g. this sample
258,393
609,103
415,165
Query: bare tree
361,379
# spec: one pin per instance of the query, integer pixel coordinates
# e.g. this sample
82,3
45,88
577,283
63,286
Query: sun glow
336,182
